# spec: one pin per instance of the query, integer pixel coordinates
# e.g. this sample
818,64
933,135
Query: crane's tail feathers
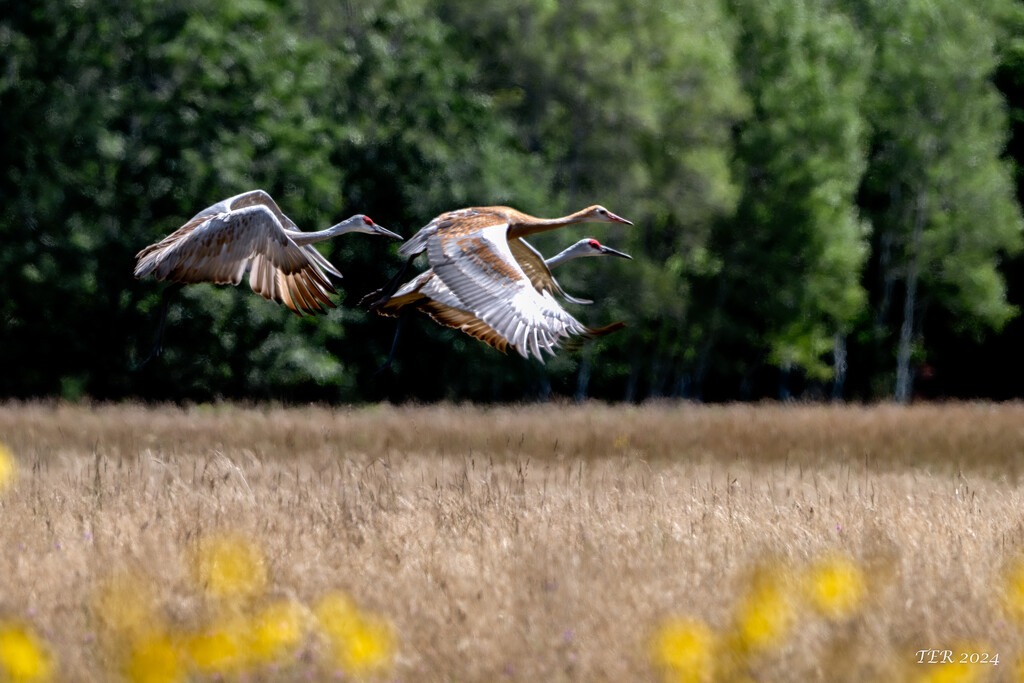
591,333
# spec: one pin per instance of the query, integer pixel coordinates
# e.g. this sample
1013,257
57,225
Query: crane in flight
487,281
248,233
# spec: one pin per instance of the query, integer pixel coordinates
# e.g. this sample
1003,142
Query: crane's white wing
426,292
426,285
220,248
474,260
429,285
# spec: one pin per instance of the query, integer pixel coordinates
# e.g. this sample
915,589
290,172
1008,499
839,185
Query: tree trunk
631,381
707,344
583,375
904,374
784,372
838,366
886,269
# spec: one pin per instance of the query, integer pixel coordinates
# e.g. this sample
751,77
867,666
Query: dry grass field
524,543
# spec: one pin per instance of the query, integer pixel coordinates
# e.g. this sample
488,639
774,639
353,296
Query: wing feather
219,246
465,321
476,263
533,264
496,290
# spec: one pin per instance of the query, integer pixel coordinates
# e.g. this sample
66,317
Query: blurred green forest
826,195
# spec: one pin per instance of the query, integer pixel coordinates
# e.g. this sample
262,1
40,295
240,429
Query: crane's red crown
366,219
594,243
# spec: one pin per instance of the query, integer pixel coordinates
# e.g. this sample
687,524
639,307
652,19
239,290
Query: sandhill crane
427,285
486,280
250,233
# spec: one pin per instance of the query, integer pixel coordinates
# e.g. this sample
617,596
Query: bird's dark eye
602,212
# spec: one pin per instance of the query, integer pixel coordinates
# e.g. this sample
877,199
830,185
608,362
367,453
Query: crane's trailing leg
394,345
165,299
380,296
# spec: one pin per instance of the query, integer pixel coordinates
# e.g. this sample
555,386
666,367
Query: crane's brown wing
533,264
465,321
473,259
220,248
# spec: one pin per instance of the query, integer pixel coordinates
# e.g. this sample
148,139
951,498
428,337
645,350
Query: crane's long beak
608,251
618,219
380,230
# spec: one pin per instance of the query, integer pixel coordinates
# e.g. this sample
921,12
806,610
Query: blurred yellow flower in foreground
1013,589
836,586
126,605
956,671
222,647
684,651
363,643
153,658
766,613
8,468
237,641
277,629
229,566
22,655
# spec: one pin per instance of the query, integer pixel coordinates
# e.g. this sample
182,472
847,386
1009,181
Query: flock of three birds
483,277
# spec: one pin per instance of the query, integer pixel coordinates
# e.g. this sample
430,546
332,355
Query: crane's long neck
528,225
563,256
303,238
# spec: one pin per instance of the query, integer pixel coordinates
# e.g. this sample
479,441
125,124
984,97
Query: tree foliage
938,194
804,177
801,155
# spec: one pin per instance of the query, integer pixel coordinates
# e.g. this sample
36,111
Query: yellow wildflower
363,643
958,672
8,467
126,605
276,629
1013,589
963,662
222,647
229,566
153,658
23,656
684,650
766,613
836,586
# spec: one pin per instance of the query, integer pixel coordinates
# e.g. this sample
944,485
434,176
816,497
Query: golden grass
524,543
